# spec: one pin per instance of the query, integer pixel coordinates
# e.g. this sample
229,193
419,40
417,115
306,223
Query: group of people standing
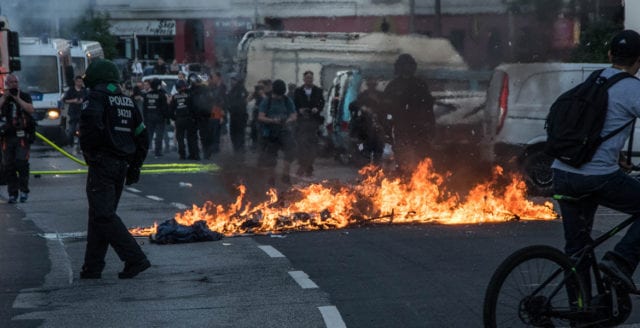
203,107
288,122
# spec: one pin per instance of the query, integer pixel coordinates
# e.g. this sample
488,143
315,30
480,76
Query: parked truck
46,73
287,54
83,52
339,62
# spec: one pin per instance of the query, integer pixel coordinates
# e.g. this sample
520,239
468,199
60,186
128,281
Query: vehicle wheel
529,286
536,168
616,296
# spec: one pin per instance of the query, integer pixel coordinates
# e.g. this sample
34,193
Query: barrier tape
146,168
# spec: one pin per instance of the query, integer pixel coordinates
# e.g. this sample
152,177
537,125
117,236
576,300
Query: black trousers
105,182
186,127
15,158
307,142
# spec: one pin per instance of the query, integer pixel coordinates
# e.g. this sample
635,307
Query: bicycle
540,286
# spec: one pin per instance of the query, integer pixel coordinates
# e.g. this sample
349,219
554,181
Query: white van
517,104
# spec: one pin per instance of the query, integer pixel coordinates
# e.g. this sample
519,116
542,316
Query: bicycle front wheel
534,287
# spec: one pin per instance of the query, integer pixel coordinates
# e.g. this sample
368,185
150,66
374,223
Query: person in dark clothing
237,108
256,97
218,114
160,67
114,143
182,113
603,180
366,124
201,101
409,102
74,97
276,114
309,102
156,112
16,135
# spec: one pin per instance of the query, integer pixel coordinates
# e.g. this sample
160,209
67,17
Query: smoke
38,17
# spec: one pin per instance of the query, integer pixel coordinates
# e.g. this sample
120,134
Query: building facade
486,32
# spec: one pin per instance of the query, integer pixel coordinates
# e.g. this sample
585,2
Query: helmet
279,87
405,65
101,71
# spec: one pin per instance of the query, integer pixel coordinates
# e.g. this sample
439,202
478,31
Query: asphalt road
369,276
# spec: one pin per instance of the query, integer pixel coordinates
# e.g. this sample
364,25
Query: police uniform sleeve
141,138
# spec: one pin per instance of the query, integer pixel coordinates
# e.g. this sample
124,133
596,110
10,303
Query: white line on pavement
131,189
302,279
156,198
179,206
63,235
332,317
271,251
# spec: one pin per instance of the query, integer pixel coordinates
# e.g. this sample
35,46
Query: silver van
517,104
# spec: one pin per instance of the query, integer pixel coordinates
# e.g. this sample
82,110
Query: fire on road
377,198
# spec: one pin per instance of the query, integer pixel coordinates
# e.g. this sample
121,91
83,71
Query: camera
13,92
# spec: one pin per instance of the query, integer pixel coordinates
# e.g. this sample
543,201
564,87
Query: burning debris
376,199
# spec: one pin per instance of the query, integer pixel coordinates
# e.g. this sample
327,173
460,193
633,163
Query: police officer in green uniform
114,143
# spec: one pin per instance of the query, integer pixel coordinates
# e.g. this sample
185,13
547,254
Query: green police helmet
101,71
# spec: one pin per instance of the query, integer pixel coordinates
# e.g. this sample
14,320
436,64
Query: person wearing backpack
581,188
276,113
16,135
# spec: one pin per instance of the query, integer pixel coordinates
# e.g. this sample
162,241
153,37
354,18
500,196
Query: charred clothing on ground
181,112
114,142
17,134
409,101
155,115
307,124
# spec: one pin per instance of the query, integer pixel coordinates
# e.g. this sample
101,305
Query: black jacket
110,123
304,104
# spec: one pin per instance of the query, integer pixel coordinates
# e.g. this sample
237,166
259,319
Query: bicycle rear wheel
534,287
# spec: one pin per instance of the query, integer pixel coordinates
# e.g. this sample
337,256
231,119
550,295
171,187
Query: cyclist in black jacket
114,143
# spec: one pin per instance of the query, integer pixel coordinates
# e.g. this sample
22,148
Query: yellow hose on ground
146,168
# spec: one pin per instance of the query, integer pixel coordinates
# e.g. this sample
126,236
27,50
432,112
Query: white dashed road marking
131,189
179,206
271,251
332,317
302,279
156,198
63,235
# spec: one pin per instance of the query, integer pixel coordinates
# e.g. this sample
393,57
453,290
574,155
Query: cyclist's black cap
626,44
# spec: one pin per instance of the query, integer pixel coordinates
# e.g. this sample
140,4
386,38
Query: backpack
576,118
273,130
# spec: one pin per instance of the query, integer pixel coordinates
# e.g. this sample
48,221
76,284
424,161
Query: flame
375,199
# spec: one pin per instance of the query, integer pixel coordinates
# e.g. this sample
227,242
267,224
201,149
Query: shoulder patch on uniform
139,129
112,87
